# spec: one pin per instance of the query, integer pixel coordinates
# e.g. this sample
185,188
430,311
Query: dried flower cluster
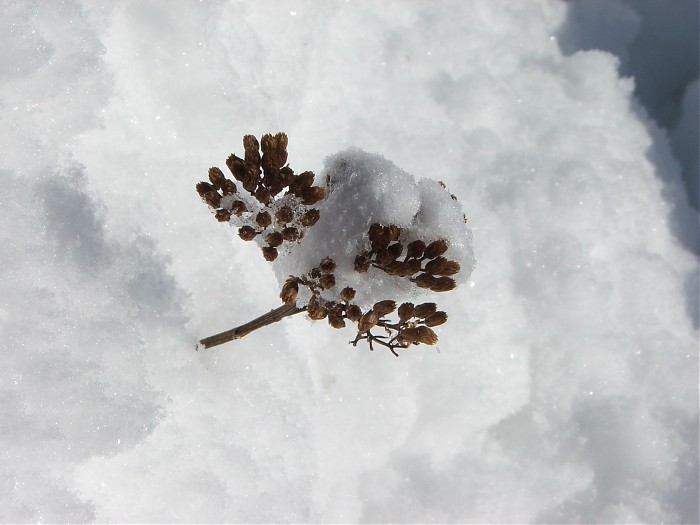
276,207
261,211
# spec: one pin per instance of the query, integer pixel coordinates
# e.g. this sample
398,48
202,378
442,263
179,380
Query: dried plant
276,207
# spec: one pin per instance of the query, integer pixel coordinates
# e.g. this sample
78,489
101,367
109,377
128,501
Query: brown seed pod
411,267
347,294
395,250
238,208
368,321
263,219
290,290
301,182
384,307
269,253
216,177
336,321
375,231
247,233
310,196
362,263
424,310
443,284
310,218
274,239
237,167
436,319
315,310
435,266
415,249
354,313
263,195
286,176
435,249
285,215
327,280
228,187
327,264
406,311
223,215
290,234
274,150
394,268
417,335
424,280
204,187
252,151
394,232
451,268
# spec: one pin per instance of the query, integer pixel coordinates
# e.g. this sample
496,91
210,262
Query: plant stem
241,331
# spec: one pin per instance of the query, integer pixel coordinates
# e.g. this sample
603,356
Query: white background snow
565,388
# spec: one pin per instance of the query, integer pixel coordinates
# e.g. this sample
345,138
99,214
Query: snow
565,384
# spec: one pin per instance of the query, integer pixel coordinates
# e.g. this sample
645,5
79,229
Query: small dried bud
435,266
354,313
395,268
228,187
435,249
382,239
301,182
263,219
237,167
315,310
263,195
327,280
436,319
310,218
451,268
415,249
368,321
247,233
424,310
395,249
411,266
290,290
223,215
290,234
286,176
375,231
269,253
252,150
274,239
327,264
204,187
274,150
424,280
312,195
336,321
285,214
420,334
406,311
315,273
443,284
394,232
209,194
238,208
362,263
347,294
216,177
384,307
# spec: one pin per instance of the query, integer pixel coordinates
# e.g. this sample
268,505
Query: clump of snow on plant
363,189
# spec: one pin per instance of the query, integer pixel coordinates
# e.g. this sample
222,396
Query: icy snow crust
565,388
364,189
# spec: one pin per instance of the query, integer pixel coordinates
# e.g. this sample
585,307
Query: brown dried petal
406,311
384,307
368,321
247,233
347,294
263,219
285,214
435,266
269,253
223,215
451,268
290,234
436,319
310,218
274,239
354,312
424,280
289,292
415,249
435,249
327,280
312,195
327,264
444,284
424,310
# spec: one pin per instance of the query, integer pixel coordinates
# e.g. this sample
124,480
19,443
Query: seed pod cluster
275,206
422,263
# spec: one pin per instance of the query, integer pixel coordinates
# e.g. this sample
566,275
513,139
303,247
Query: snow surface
565,388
